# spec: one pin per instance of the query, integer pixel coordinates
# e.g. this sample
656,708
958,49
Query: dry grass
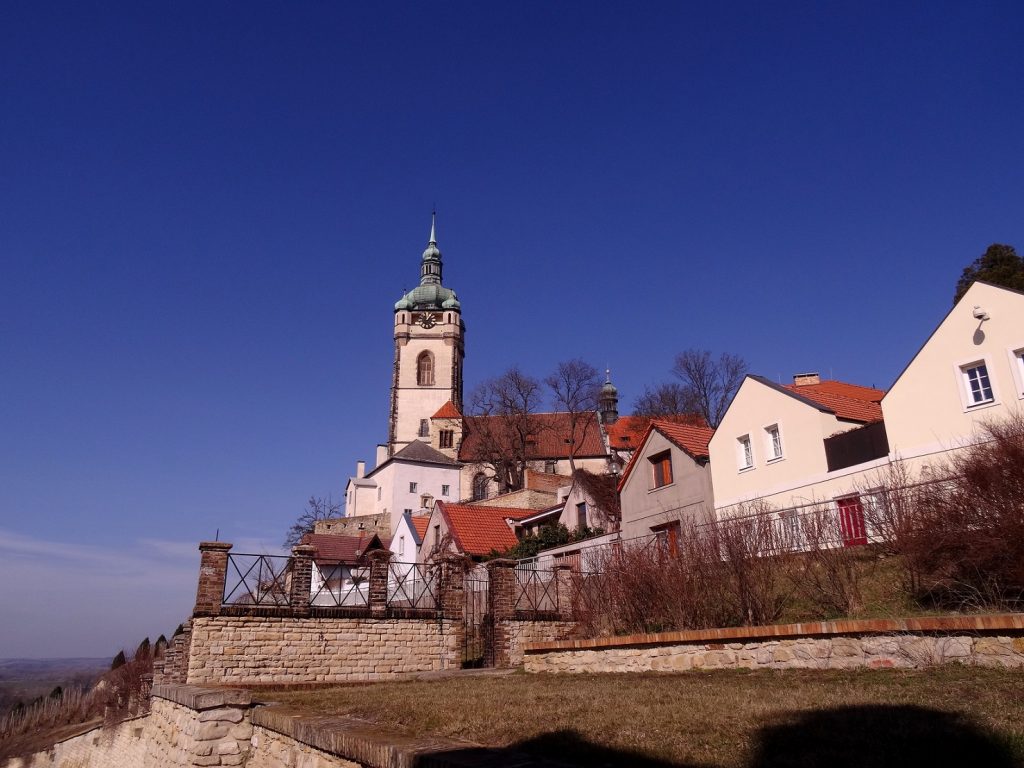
723,718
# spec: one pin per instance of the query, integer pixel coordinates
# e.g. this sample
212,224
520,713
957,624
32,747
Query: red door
851,521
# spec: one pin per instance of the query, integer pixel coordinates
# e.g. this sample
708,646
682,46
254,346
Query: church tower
429,347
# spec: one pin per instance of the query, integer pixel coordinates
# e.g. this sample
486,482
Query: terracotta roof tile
692,439
850,402
479,530
627,431
548,436
447,411
420,523
345,549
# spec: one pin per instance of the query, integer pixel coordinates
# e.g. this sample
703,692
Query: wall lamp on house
980,314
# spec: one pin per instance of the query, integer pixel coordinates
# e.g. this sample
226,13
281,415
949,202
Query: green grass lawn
950,715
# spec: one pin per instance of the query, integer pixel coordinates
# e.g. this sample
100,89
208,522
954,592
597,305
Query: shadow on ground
863,736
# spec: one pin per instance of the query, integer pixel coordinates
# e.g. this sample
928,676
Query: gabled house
409,481
408,538
794,445
969,370
666,481
471,530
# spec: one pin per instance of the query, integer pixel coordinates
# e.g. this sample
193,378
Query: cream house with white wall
806,444
773,443
970,370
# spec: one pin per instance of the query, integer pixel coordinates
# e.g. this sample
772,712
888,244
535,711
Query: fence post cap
304,550
214,546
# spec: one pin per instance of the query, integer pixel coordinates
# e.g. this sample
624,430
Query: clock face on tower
426,320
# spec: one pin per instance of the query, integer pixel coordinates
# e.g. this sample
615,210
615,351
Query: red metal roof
547,439
478,531
345,549
447,411
850,402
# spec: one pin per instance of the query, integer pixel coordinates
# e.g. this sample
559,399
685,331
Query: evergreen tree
999,265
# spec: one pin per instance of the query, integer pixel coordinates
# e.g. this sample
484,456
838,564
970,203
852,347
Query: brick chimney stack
803,379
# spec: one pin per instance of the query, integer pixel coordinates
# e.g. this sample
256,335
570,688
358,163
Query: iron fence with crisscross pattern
257,580
339,585
535,591
414,585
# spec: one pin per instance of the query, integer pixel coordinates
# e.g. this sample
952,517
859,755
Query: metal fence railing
339,585
414,585
257,580
535,590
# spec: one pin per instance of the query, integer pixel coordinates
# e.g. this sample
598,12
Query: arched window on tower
425,369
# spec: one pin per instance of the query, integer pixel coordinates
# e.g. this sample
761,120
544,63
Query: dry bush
757,566
970,532
827,574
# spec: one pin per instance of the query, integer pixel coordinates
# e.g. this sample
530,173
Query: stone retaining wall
902,643
229,650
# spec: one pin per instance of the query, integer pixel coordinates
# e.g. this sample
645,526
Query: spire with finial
430,269
608,400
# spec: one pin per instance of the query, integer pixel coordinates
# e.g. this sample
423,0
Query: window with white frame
401,545
1018,370
773,442
977,385
445,490
745,452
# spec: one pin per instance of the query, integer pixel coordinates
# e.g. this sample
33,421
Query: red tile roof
691,439
850,402
447,411
547,440
420,523
627,431
345,549
478,531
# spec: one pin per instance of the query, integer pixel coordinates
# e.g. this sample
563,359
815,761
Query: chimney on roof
360,469
803,379
382,454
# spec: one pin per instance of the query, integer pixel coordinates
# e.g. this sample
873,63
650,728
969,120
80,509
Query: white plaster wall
924,410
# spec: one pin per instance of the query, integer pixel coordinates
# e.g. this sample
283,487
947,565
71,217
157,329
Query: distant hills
25,679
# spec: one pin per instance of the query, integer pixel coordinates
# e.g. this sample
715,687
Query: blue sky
208,210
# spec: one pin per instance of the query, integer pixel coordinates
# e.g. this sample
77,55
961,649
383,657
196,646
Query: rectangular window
447,438
401,545
1018,371
661,464
774,442
550,466
668,537
581,515
445,490
424,427
976,384
792,538
745,452
412,487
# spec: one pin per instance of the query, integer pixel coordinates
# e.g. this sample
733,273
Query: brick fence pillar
302,578
501,599
213,569
379,559
564,592
452,603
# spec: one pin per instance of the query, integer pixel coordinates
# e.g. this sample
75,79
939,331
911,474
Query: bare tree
502,425
665,401
317,508
708,382
575,385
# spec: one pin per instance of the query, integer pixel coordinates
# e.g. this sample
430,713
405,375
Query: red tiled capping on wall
991,623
